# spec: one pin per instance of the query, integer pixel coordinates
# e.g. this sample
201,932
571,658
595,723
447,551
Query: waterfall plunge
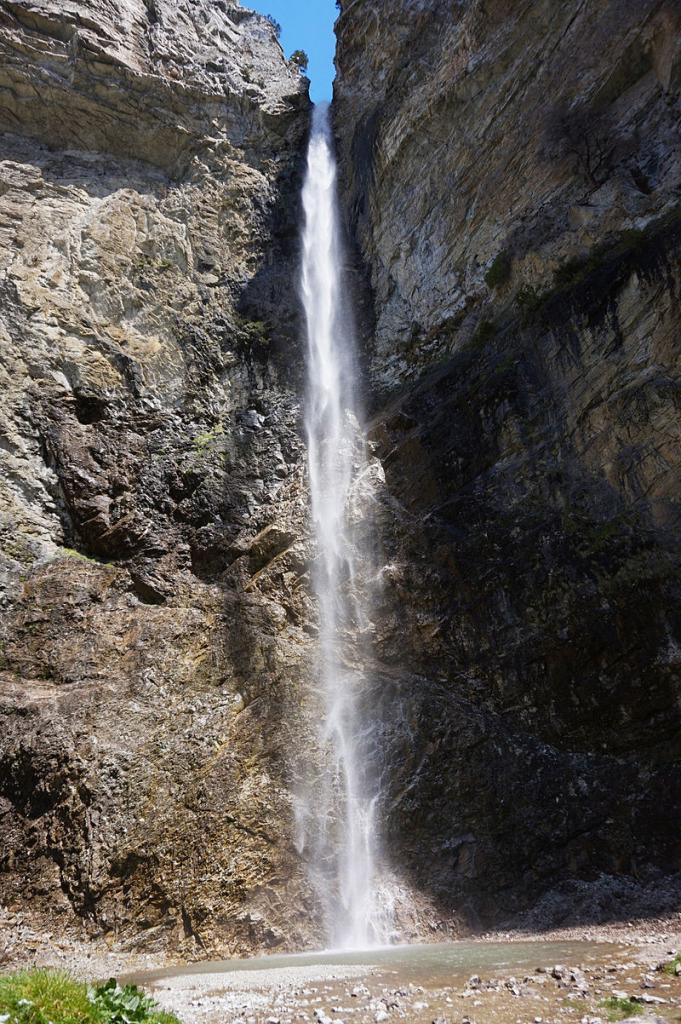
337,809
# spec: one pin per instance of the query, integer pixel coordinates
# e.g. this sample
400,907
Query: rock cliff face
153,622
512,179
512,174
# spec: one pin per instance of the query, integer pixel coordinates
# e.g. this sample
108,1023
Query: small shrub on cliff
499,271
585,138
251,336
204,441
574,270
529,301
626,245
54,997
300,59
483,333
80,555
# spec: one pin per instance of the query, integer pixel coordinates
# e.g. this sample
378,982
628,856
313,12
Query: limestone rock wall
512,175
152,519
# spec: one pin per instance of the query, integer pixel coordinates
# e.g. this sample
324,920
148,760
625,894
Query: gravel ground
613,960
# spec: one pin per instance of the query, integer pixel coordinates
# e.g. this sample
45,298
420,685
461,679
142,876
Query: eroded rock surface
512,176
152,518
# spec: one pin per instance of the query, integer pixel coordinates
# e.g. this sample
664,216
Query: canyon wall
512,175
154,626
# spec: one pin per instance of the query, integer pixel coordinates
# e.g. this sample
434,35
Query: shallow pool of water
427,964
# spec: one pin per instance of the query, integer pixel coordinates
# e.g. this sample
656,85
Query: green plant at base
617,1008
670,968
46,997
54,997
127,1004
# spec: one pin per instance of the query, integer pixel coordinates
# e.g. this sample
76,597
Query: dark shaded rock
525,377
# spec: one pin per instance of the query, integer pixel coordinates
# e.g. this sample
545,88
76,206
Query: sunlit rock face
511,175
152,515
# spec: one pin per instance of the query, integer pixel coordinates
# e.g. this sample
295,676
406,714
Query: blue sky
306,25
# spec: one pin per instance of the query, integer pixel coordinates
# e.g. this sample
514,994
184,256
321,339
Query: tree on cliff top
274,23
301,59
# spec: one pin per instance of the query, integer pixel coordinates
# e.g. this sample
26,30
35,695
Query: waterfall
338,808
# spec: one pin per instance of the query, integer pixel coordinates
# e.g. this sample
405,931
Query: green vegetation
45,997
252,335
72,553
146,264
617,1008
275,24
574,271
127,1004
17,548
610,259
300,59
499,271
483,333
529,301
258,329
54,997
203,441
672,966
